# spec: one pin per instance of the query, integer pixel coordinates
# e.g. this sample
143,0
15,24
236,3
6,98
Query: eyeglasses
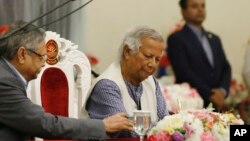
42,57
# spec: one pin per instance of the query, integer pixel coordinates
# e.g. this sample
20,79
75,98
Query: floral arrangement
92,59
194,125
181,94
3,29
238,99
237,93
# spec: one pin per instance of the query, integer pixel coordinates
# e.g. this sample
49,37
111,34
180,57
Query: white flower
194,125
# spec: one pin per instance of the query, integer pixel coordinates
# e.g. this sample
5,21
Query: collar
197,31
15,71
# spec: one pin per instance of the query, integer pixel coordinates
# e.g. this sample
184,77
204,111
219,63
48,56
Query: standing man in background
197,56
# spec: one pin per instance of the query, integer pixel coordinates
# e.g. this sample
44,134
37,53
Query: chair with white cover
62,84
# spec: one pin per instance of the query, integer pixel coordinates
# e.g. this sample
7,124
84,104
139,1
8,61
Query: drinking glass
142,122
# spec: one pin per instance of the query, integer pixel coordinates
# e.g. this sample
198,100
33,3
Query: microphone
41,16
94,73
67,14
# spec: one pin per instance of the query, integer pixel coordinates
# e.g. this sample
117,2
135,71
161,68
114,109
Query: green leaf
210,105
181,130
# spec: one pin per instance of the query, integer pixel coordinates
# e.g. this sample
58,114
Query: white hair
134,36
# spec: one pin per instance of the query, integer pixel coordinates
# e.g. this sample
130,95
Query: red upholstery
55,92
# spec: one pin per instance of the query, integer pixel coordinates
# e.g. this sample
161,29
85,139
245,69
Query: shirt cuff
223,91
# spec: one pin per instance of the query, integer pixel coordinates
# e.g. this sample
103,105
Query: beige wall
108,20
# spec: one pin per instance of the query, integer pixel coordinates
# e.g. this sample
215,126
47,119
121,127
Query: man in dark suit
197,56
22,55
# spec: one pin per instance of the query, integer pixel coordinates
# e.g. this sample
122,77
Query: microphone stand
45,14
67,14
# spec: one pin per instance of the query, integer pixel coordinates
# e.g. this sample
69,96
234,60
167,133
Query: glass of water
142,122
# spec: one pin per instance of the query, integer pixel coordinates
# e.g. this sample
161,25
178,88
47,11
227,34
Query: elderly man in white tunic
127,84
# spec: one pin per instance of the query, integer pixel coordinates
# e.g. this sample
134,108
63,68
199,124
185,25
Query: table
126,139
118,139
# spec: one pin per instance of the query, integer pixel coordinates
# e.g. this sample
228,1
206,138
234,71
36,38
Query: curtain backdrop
71,27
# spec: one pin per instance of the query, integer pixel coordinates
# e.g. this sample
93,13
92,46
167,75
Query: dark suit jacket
190,63
20,118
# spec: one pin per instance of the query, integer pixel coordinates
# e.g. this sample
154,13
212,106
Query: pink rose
163,136
207,136
151,138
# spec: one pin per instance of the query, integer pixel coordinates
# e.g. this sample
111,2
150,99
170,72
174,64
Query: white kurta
148,98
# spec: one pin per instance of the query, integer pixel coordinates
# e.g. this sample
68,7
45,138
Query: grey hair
134,36
28,37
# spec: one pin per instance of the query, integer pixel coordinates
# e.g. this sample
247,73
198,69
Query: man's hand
118,122
218,99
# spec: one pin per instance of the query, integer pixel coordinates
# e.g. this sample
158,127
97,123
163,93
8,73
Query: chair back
62,84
